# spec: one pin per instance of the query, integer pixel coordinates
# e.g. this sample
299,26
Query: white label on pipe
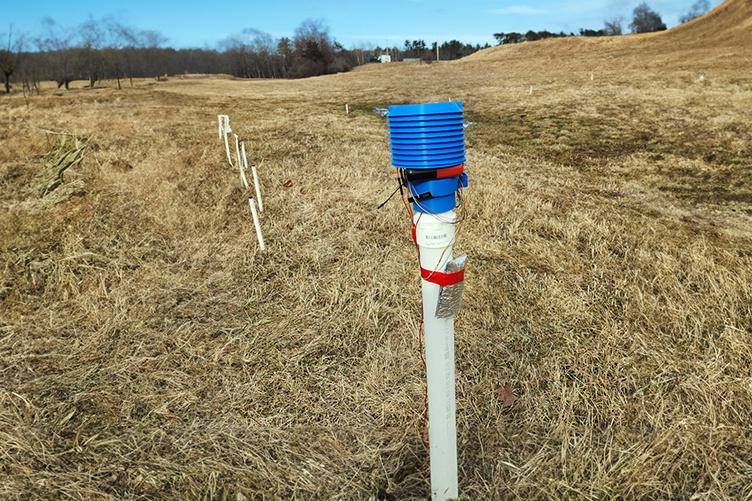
434,234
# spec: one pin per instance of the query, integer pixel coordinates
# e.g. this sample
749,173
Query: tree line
105,49
450,50
644,20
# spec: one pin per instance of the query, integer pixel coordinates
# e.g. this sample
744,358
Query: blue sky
192,23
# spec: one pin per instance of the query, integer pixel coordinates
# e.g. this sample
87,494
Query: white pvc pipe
237,148
256,224
243,166
257,187
227,145
256,184
223,124
435,236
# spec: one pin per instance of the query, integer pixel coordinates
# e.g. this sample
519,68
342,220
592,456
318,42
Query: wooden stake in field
347,109
256,224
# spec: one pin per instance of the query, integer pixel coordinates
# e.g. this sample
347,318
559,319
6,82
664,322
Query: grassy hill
147,350
720,40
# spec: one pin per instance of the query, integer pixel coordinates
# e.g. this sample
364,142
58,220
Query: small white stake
256,223
592,77
347,109
243,166
237,148
226,130
257,187
531,90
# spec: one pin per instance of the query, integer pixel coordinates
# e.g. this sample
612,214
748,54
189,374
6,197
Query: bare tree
314,49
256,54
699,8
614,26
10,58
130,47
646,20
57,42
284,49
264,47
92,40
362,52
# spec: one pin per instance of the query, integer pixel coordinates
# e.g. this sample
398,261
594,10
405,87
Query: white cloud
518,10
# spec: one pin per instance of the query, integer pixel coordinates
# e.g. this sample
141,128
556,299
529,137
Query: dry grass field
148,350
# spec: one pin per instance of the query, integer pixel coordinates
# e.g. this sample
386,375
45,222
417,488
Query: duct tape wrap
450,296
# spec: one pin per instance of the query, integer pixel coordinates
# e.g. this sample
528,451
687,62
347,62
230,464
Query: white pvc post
237,148
243,166
435,236
256,224
257,187
226,130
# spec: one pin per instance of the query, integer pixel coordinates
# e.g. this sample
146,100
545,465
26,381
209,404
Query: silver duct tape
450,296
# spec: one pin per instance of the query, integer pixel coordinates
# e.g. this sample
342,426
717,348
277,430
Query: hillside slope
721,39
729,25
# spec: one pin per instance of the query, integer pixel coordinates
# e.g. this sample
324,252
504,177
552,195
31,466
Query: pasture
147,349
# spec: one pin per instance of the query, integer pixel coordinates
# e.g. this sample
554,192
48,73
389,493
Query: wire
389,198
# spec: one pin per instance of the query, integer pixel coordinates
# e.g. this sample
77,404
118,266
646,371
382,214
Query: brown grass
147,350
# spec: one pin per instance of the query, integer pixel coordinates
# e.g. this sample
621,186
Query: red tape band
450,172
442,279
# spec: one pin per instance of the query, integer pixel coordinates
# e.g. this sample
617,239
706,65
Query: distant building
385,58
